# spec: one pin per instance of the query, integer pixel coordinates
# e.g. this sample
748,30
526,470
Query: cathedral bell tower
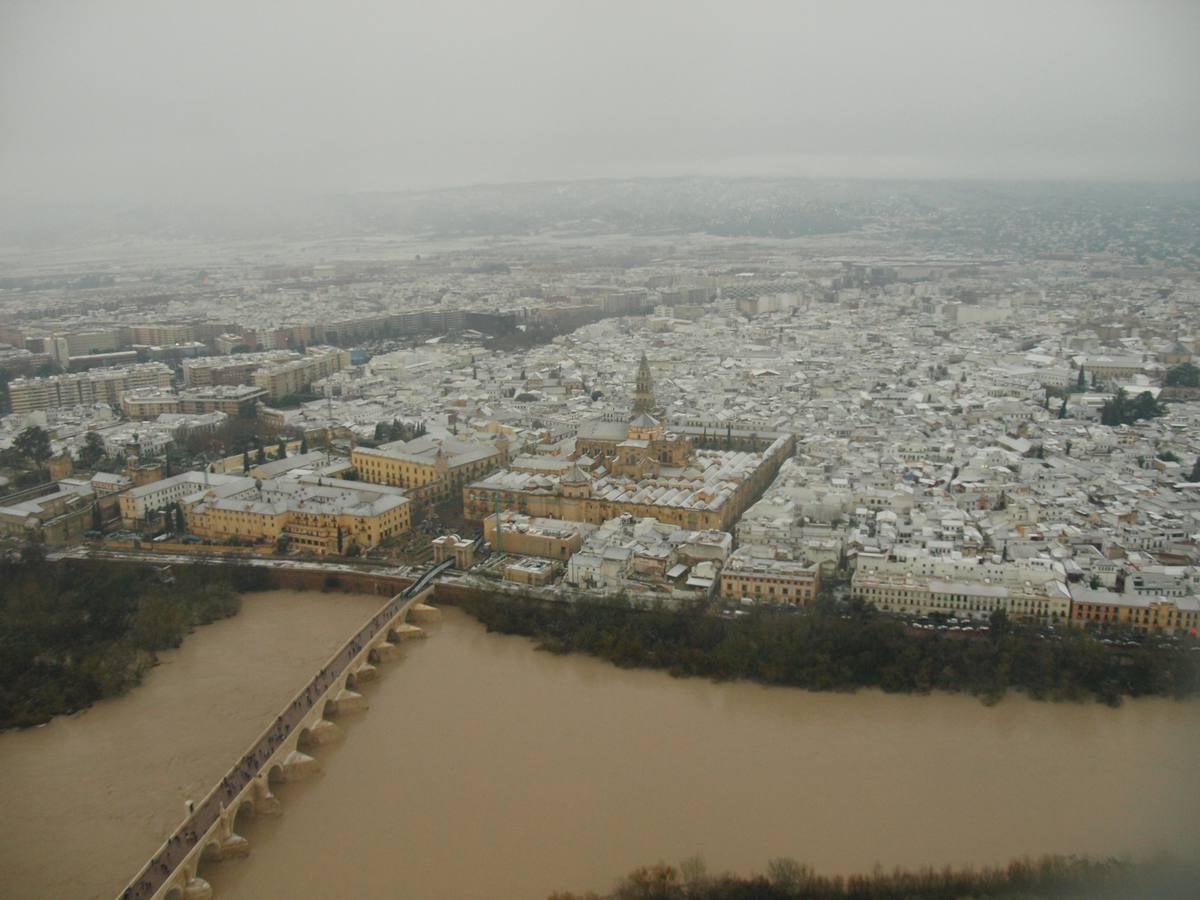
643,396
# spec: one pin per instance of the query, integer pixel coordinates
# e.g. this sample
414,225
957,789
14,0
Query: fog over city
129,101
553,449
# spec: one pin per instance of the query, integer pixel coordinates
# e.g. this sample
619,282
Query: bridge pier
348,701
421,612
385,651
297,766
263,802
404,632
229,846
197,889
365,672
325,732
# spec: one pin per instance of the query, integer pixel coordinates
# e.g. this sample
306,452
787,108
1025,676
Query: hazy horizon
136,102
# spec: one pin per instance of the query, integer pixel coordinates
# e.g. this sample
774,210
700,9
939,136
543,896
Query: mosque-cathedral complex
639,467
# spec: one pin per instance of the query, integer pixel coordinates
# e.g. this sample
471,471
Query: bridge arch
210,857
244,813
275,774
305,739
211,852
175,893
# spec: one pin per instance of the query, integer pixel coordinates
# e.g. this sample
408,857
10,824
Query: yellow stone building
1145,614
430,469
526,536
759,573
320,515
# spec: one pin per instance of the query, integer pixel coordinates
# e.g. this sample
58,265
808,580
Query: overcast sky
126,99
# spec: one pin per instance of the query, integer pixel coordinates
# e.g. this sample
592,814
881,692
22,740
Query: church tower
643,396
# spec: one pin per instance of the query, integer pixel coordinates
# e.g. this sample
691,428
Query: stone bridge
209,833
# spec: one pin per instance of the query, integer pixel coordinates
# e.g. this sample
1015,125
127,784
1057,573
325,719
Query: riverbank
73,633
787,879
91,795
839,647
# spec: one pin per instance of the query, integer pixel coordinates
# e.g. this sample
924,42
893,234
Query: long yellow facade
430,471
324,518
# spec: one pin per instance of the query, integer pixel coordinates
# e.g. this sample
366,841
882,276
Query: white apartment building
85,388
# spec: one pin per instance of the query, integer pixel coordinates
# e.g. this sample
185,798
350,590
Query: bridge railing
420,584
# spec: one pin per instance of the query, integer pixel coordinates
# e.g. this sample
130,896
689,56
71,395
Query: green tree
33,445
92,450
260,456
245,461
303,443
1183,375
1195,476
1062,410
1081,381
1120,410
281,450
1145,406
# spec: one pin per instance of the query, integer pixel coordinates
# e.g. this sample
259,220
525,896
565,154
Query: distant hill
979,215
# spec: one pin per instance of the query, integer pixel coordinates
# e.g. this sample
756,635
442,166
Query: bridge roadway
207,833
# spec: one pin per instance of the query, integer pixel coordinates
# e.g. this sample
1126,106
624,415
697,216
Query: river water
486,769
88,798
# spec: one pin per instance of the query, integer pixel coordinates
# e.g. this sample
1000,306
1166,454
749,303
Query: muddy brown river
486,769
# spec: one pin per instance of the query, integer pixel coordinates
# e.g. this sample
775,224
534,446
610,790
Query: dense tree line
294,401
75,632
843,647
1121,410
398,431
1051,876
